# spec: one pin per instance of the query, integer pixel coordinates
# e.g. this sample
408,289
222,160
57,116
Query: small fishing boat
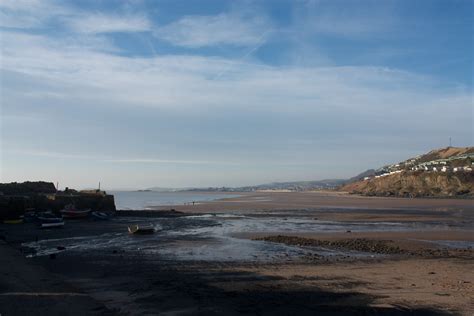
139,229
47,217
71,212
52,224
49,220
30,217
100,216
13,221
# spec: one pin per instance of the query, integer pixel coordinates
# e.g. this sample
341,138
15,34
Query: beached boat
52,224
47,217
13,221
101,216
49,220
141,229
30,217
71,212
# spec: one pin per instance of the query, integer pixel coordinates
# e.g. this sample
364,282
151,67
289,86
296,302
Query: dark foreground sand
424,278
29,289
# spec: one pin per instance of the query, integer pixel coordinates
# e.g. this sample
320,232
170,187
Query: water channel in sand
218,237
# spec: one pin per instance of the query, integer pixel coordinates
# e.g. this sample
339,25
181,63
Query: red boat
71,212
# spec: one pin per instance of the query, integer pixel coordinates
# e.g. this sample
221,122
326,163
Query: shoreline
339,272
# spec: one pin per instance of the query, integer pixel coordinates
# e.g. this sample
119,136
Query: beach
259,253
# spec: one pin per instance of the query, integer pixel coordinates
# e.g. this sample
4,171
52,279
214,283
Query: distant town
459,163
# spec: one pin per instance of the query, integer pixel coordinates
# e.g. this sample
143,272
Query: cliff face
416,184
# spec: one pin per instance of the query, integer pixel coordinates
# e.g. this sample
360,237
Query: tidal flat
374,256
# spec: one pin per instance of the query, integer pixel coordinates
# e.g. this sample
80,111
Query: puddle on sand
210,238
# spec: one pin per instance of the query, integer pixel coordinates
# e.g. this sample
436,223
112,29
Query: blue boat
49,220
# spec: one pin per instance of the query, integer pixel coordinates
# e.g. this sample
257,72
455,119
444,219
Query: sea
149,200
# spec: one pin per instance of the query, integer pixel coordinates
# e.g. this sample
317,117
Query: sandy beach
260,253
348,206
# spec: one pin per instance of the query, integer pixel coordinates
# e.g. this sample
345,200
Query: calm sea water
132,200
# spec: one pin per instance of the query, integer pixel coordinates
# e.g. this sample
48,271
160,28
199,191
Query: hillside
445,172
276,186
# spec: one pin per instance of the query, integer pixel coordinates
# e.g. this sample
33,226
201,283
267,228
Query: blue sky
208,93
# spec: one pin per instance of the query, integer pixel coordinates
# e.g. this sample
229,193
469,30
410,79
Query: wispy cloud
170,161
348,20
126,160
102,23
37,14
27,14
189,82
221,29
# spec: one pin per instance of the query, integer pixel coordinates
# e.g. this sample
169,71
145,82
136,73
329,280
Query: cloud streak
101,23
58,72
134,160
221,29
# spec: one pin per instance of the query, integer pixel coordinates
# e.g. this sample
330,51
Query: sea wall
17,198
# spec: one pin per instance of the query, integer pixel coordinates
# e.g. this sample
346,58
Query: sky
176,93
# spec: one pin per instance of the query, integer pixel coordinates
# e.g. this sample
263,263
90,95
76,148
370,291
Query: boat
47,217
49,220
71,212
100,216
52,224
141,229
13,221
30,217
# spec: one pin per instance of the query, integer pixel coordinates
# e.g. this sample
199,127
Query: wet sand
338,206
267,201
330,259
29,289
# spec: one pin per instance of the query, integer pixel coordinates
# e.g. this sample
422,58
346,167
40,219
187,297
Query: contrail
253,49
